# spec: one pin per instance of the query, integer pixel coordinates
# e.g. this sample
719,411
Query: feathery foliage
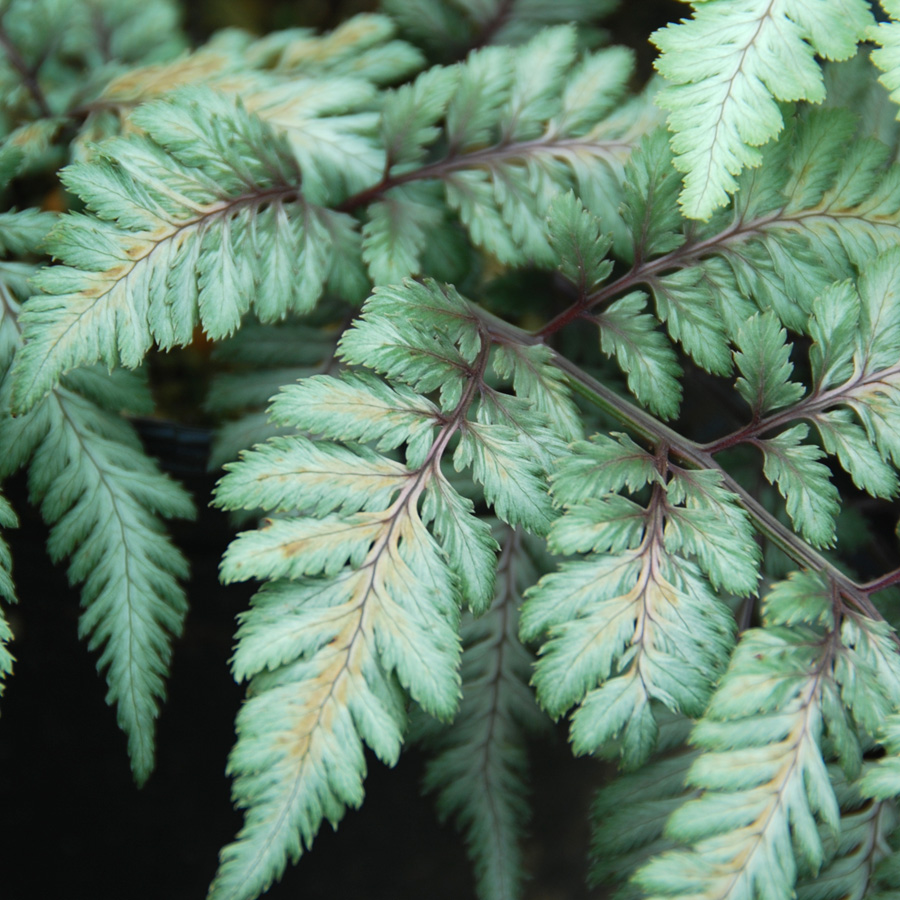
531,402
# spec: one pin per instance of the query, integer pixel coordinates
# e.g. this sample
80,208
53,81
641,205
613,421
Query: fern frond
449,28
636,620
629,817
362,47
479,768
764,782
104,500
260,359
186,238
8,519
887,57
724,105
510,144
362,592
860,847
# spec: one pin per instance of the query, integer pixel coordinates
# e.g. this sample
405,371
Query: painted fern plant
542,393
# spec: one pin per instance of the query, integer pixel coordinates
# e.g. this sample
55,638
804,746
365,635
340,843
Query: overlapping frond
519,126
479,770
723,104
104,499
630,817
852,402
363,598
636,619
449,28
197,224
8,519
887,56
768,814
764,783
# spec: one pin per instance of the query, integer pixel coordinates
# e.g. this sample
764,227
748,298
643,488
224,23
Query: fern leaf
179,223
578,243
763,359
812,499
410,115
721,110
763,778
887,57
541,384
856,339
299,757
104,499
541,68
479,768
482,91
649,207
362,46
592,89
361,590
703,517
685,305
868,672
629,817
510,476
8,519
644,354
636,620
859,849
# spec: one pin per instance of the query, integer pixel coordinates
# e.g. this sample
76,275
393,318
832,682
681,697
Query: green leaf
868,672
600,466
804,482
104,499
841,437
540,71
706,520
535,379
804,597
833,327
512,479
483,89
288,473
625,627
763,359
579,245
629,817
356,406
299,755
643,353
466,539
649,209
410,114
396,234
479,769
723,104
684,303
765,787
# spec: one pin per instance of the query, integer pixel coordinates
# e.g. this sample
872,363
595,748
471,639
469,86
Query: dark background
73,823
